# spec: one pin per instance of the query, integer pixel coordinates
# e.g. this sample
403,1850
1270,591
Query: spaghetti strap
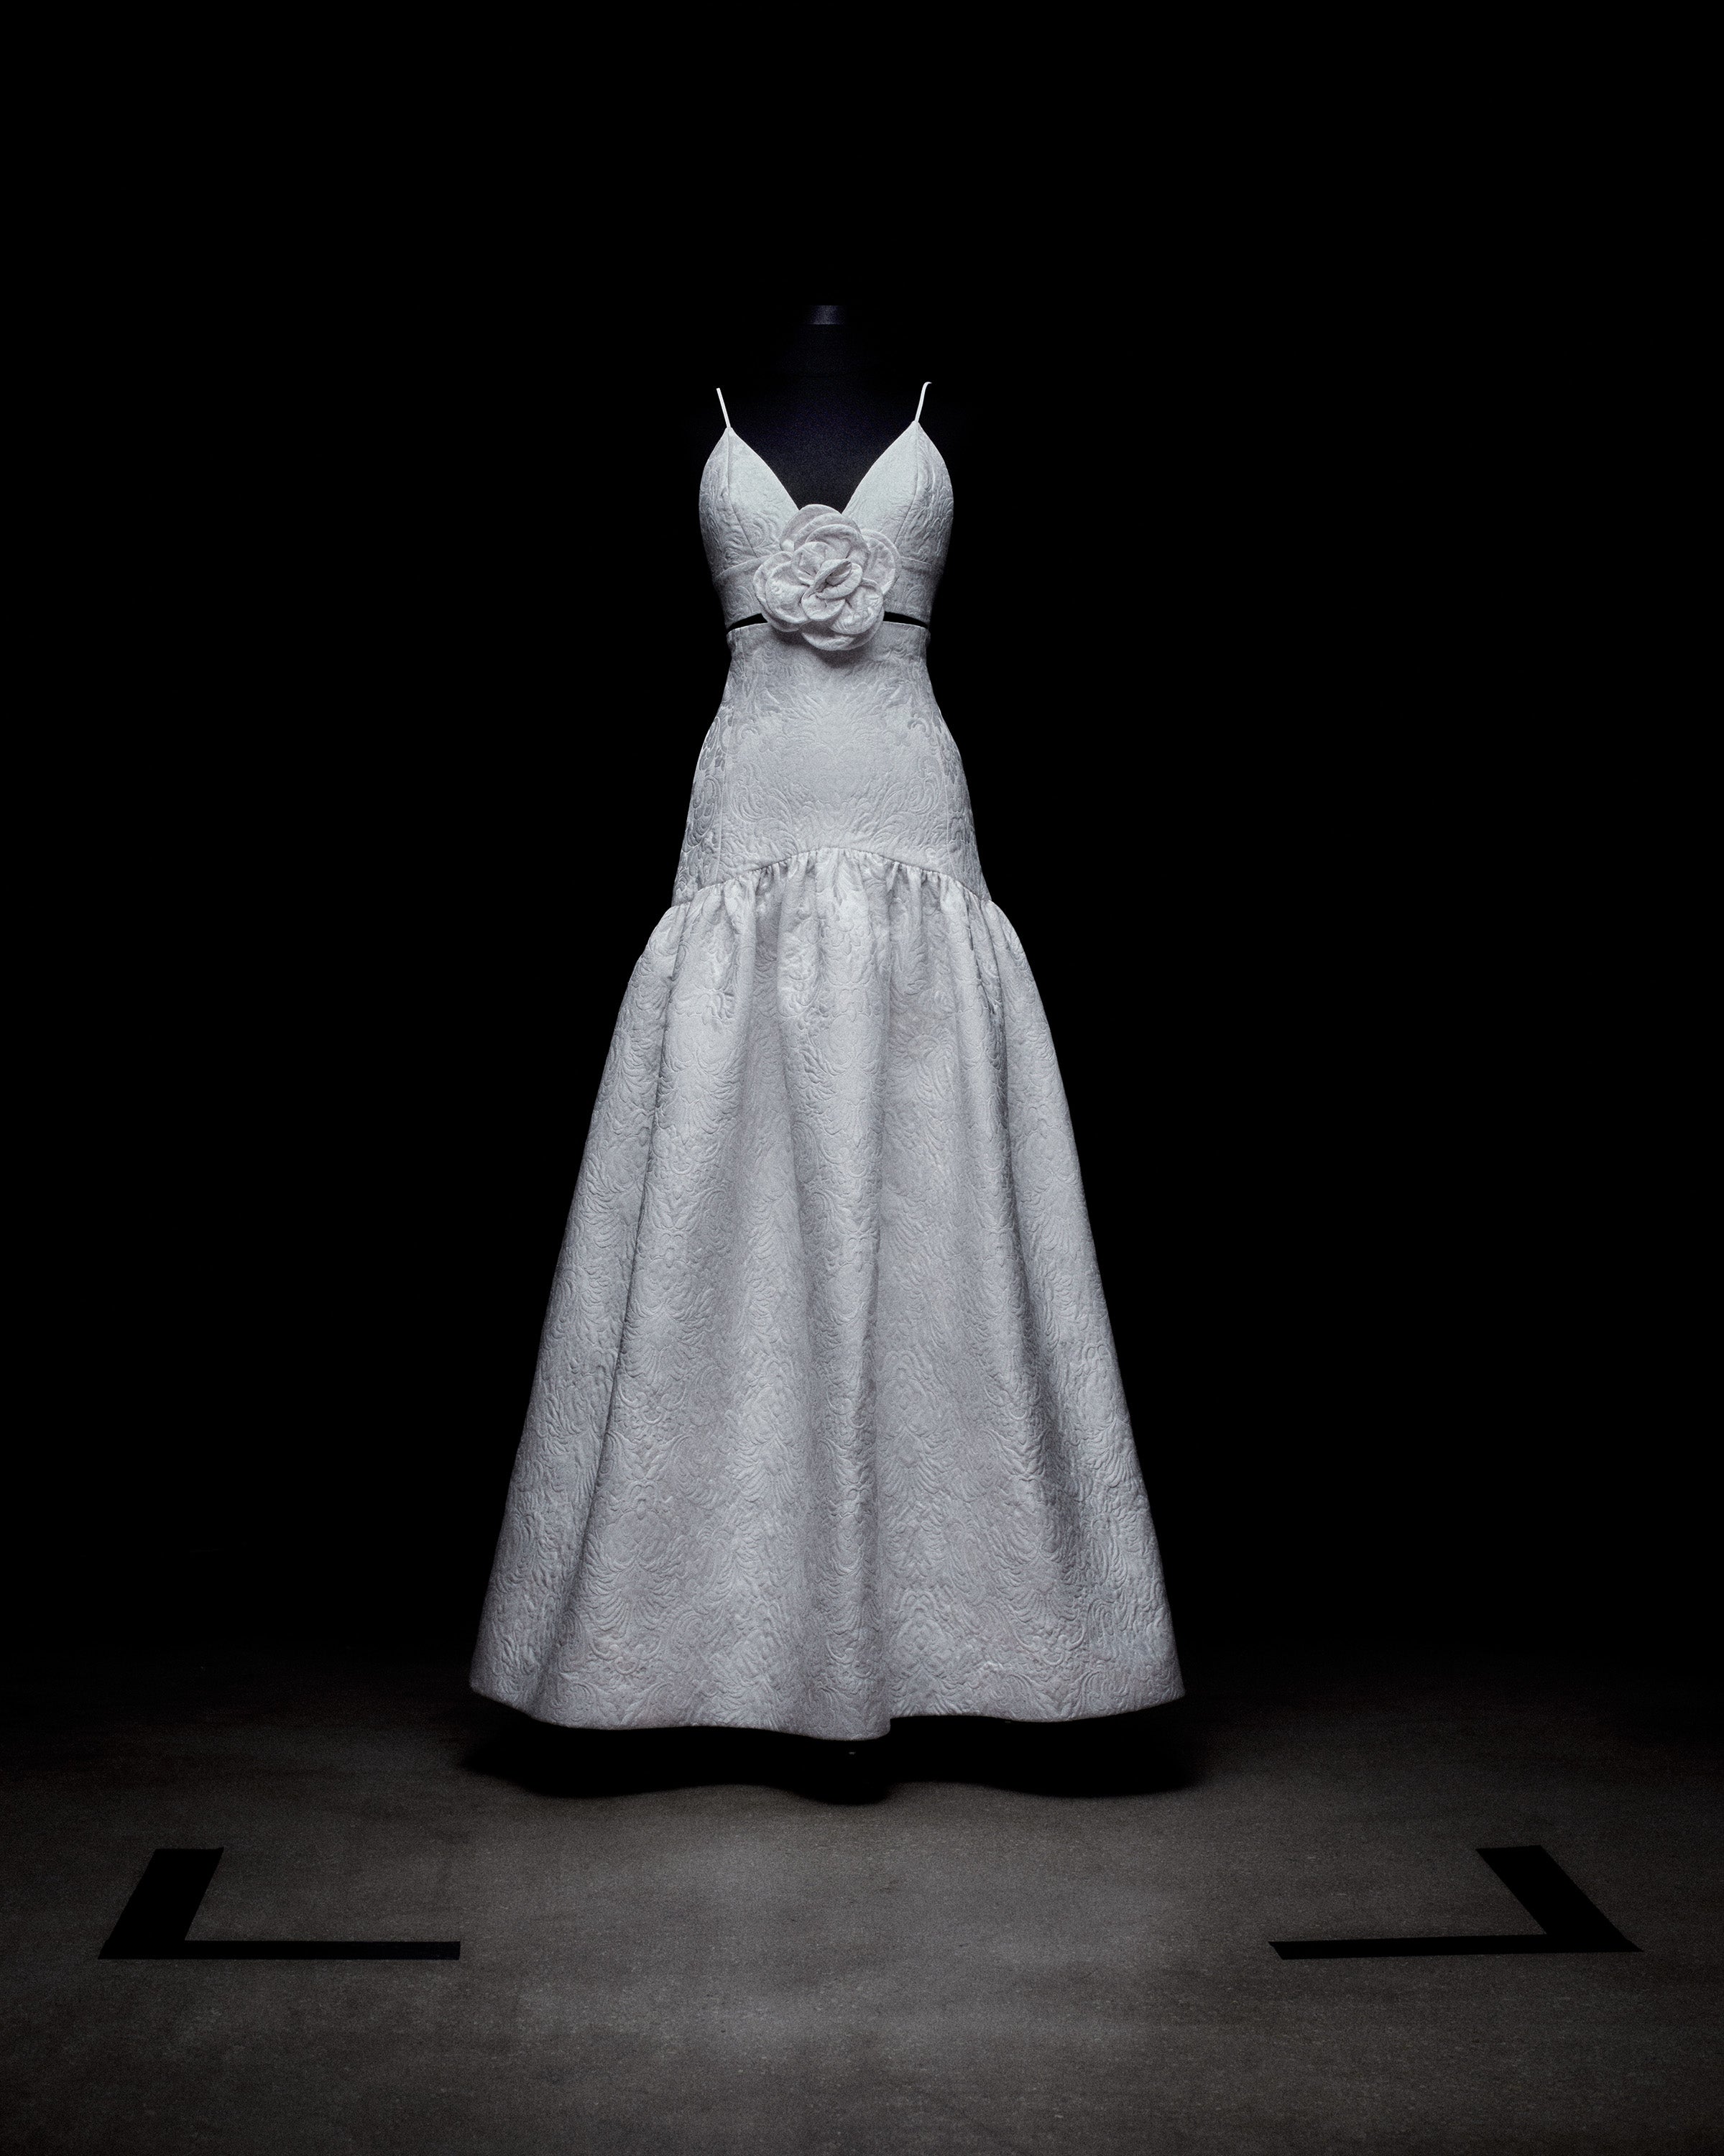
719,393
920,402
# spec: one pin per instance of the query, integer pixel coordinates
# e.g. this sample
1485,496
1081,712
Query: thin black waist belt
749,620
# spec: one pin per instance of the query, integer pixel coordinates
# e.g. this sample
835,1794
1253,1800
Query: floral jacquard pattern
804,753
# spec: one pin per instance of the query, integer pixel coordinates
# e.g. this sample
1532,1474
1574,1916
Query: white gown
827,1425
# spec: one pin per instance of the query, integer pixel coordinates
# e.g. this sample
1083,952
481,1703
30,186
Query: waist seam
813,853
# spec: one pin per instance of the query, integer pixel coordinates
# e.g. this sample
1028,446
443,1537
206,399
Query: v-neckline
796,509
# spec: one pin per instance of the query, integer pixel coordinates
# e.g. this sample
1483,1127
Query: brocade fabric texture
827,1426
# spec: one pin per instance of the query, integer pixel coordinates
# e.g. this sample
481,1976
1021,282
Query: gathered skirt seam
811,853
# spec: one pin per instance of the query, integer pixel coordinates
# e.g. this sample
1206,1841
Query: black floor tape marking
1571,1924
153,1924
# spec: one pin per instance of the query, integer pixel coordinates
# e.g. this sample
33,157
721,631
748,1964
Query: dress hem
1160,1696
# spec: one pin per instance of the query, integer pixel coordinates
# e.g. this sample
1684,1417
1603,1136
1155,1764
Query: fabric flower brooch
828,582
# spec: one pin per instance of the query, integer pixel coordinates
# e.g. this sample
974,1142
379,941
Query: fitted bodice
905,494
812,747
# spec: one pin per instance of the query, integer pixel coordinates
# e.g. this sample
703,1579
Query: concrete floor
656,1960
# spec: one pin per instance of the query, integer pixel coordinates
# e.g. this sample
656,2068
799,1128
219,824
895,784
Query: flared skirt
827,1426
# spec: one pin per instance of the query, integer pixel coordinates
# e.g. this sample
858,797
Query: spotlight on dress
828,1426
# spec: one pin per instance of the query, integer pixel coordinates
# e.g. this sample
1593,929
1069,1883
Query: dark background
1296,745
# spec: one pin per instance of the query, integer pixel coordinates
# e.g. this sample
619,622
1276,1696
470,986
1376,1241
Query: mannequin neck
826,342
